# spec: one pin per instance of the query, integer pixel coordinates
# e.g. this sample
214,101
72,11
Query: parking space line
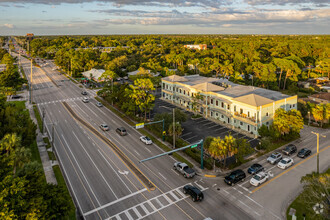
220,128
211,122
186,134
214,126
190,137
252,139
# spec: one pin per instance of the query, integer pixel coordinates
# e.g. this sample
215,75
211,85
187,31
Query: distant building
196,46
323,97
94,74
29,36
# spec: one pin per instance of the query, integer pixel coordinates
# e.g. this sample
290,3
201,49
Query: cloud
120,3
10,26
286,2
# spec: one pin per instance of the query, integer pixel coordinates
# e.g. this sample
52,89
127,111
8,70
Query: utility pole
53,136
71,66
112,91
318,148
309,117
173,128
31,84
19,60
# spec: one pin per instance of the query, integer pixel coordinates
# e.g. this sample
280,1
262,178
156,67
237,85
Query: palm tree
178,130
218,150
10,142
22,156
319,113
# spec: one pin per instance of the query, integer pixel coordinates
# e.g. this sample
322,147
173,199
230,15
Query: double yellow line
281,174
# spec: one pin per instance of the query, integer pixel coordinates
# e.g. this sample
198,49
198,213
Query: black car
255,168
194,192
234,177
290,149
304,153
84,93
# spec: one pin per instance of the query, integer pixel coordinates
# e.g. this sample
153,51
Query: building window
216,114
177,89
249,114
267,123
166,86
163,85
180,91
241,111
184,92
173,89
222,105
211,114
184,102
234,121
241,123
290,106
192,94
255,128
188,93
221,116
234,108
267,114
228,107
211,101
294,105
217,103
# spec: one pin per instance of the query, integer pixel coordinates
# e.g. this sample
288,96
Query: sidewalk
46,164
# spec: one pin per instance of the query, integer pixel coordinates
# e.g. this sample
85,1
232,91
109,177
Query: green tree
140,92
178,130
288,121
196,99
320,113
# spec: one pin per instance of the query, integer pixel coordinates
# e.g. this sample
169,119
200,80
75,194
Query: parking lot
196,129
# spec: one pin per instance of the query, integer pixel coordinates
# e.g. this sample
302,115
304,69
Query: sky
75,17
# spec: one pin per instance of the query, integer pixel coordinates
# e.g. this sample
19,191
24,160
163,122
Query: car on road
104,127
84,93
255,168
146,140
274,158
121,131
304,153
99,104
184,169
85,99
285,163
259,179
194,192
234,177
290,149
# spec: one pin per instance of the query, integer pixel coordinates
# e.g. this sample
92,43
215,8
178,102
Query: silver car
274,158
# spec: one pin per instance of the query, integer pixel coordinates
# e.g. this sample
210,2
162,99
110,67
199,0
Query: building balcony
245,117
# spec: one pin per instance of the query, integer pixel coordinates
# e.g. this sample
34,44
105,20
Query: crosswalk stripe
128,215
180,193
152,205
168,199
159,203
174,196
144,209
137,212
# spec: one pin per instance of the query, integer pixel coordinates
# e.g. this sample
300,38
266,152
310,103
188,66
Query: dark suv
194,192
290,149
234,177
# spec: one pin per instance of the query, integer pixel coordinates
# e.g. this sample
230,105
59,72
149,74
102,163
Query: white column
260,115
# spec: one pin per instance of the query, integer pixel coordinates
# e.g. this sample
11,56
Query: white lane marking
147,149
106,182
254,201
80,169
113,169
114,202
136,152
186,134
128,215
211,122
174,196
249,207
144,209
159,203
137,212
180,193
175,172
162,176
214,126
220,128
191,137
225,191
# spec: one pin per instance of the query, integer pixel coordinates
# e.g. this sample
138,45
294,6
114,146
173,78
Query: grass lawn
36,112
19,103
61,182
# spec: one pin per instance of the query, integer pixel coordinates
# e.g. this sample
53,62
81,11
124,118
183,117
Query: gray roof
231,89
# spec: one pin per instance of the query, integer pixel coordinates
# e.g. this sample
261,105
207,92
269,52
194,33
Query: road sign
193,146
141,125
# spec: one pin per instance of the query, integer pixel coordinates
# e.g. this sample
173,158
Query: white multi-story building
244,108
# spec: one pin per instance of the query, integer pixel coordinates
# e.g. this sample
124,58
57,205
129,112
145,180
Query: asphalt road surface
103,187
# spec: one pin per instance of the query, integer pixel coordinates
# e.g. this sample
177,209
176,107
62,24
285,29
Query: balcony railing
242,115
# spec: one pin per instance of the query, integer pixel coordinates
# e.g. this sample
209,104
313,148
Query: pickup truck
184,170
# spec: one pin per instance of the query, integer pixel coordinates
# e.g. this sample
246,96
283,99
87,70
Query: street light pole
309,117
318,148
173,128
53,128
43,120
31,83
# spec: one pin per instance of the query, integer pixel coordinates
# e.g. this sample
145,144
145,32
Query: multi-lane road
103,187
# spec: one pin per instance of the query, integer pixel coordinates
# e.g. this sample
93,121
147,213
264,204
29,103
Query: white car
85,99
259,178
104,127
285,163
146,140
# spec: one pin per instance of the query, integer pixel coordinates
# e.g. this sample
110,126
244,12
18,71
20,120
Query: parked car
99,104
121,131
255,168
194,192
274,158
85,99
84,93
16,96
259,178
183,168
146,140
304,153
104,127
234,177
290,149
285,163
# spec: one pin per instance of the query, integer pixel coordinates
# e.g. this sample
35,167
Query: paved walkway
46,163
